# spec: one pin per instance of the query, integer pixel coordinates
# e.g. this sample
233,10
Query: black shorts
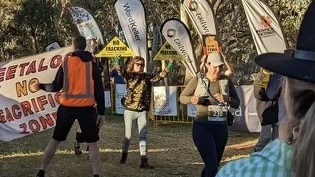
86,117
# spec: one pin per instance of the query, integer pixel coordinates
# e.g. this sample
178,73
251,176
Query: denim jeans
210,140
142,121
267,134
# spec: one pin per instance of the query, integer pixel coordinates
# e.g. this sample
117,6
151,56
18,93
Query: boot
123,158
144,164
77,150
41,173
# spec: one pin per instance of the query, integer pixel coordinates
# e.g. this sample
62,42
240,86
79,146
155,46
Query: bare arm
230,71
161,75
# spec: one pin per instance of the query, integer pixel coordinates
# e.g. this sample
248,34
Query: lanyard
208,92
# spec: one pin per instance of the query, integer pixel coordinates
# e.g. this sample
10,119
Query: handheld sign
115,48
167,52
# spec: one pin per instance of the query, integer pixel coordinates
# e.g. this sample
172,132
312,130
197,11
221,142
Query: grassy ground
171,151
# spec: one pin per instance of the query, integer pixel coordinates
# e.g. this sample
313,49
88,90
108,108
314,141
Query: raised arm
162,74
230,71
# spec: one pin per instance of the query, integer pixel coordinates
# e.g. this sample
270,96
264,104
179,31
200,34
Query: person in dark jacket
137,105
80,87
266,107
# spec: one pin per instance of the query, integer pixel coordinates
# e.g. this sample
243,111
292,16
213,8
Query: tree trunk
35,46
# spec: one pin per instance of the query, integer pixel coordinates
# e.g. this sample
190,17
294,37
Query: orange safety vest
78,83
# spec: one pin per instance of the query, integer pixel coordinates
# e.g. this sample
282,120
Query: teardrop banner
178,36
131,16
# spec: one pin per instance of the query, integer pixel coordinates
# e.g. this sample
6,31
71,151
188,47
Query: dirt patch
171,151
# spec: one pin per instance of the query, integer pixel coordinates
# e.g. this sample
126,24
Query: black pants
210,140
86,117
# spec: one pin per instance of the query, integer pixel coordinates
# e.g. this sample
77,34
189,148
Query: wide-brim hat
301,63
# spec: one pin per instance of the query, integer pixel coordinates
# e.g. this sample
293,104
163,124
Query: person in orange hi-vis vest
80,85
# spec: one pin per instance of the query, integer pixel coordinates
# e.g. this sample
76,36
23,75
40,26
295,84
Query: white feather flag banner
264,27
131,17
87,26
177,35
201,15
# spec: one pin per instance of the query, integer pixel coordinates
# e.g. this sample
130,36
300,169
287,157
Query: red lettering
41,101
2,74
41,65
34,126
9,116
31,68
11,72
26,108
24,128
2,117
46,121
51,101
16,113
34,105
54,115
56,61
57,97
22,68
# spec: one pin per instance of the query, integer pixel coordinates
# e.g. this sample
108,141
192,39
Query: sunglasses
139,64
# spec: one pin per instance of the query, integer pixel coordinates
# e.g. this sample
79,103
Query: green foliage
27,26
236,38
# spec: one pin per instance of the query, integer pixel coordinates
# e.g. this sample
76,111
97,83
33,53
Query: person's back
80,87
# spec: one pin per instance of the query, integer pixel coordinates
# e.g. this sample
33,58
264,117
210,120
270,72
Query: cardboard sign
167,52
115,48
211,45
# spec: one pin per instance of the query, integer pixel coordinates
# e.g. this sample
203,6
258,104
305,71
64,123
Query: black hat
301,63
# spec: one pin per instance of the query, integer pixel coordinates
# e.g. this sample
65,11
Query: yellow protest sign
264,82
115,48
167,52
211,45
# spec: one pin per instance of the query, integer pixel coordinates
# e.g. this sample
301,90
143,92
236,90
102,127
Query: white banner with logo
24,111
132,20
201,15
165,101
120,91
264,26
178,36
87,26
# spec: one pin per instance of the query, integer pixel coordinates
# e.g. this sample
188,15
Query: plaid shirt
273,161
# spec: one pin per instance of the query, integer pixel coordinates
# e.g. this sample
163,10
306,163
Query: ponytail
303,161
